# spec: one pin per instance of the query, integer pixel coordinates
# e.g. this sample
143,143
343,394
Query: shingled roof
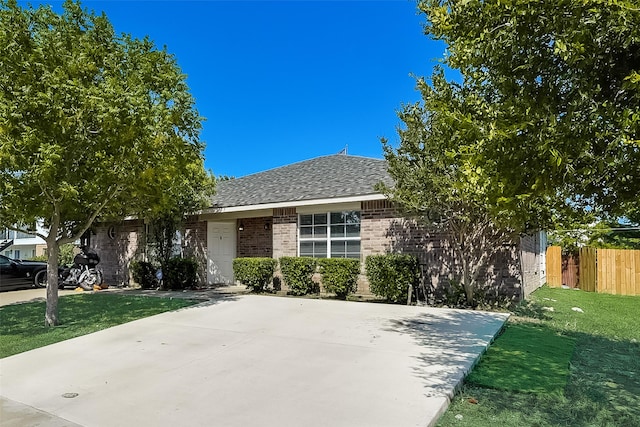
326,177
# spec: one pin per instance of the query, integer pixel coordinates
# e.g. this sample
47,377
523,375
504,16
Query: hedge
254,273
182,273
297,273
144,274
391,275
339,275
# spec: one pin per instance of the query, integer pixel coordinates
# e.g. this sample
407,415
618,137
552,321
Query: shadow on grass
602,390
526,358
22,325
452,341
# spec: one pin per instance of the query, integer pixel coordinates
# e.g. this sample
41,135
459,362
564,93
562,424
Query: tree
93,125
438,182
542,128
559,86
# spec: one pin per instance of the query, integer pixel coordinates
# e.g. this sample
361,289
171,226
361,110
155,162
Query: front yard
22,325
567,357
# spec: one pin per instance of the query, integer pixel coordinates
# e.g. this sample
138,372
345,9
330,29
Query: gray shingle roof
324,177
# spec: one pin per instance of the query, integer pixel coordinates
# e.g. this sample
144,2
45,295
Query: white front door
221,250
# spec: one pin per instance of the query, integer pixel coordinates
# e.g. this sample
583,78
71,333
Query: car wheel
40,279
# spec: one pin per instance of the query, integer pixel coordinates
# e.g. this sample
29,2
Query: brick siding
256,238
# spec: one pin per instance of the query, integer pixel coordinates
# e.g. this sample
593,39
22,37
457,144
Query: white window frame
328,239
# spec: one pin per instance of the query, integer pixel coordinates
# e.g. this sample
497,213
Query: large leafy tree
559,83
437,179
93,125
542,128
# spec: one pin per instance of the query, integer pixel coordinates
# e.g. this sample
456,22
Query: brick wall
116,254
256,237
384,230
285,232
129,244
194,244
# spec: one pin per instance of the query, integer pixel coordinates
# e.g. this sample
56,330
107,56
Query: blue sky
284,81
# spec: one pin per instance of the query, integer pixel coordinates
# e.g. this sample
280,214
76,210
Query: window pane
353,230
320,232
337,231
320,219
353,246
337,218
306,219
352,217
306,248
305,232
338,249
320,249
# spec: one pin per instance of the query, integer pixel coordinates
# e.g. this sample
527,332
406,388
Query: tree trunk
467,282
51,315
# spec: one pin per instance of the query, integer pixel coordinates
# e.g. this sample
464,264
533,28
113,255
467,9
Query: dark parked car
17,274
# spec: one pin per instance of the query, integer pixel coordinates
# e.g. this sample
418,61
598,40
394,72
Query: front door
221,244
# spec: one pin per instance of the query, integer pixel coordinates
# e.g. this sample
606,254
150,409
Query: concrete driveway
252,361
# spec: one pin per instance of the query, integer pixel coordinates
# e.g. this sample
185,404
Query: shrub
254,273
65,255
297,273
340,275
391,275
182,273
144,274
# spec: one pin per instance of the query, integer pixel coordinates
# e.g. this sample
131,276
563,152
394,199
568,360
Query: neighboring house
323,207
19,245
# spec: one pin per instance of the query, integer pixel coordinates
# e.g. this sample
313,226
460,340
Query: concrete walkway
252,361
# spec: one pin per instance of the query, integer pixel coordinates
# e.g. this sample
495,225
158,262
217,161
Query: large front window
330,235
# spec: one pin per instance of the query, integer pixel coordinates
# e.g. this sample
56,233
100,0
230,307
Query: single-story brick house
323,207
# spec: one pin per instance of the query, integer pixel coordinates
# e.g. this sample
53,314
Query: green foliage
92,125
65,256
144,274
391,275
254,273
547,110
181,273
21,327
614,235
297,273
339,275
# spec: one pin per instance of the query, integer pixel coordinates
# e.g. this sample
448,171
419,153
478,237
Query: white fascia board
296,203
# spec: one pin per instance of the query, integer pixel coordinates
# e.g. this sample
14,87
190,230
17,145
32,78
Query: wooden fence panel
570,274
587,269
554,266
618,271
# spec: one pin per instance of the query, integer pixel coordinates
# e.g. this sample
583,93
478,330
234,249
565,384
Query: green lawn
22,325
560,367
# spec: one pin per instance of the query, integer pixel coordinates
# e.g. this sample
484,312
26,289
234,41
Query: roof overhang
295,203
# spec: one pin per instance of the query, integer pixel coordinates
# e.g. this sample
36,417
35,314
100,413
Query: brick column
285,232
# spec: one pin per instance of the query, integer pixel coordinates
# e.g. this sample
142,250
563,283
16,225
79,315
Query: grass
22,325
560,367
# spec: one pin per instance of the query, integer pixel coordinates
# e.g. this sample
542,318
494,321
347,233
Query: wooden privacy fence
612,271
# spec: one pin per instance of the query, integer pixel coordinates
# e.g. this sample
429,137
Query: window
330,235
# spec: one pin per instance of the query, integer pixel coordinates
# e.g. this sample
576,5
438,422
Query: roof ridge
308,160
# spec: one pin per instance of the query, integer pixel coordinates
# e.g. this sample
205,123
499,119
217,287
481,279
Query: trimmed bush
144,274
339,275
182,273
254,273
391,275
297,273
